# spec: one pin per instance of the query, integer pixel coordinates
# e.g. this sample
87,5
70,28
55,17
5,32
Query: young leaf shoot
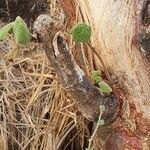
81,32
5,30
21,32
104,87
96,76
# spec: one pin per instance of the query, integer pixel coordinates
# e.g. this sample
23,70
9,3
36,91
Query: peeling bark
71,77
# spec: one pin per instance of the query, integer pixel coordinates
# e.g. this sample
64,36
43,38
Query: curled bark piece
70,75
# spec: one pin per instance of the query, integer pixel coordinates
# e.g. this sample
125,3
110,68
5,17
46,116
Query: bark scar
145,15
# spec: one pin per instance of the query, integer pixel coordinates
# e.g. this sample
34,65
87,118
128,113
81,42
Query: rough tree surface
122,38
121,48
70,75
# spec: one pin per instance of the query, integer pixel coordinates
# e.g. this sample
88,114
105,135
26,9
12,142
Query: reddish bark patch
69,8
131,141
143,125
114,142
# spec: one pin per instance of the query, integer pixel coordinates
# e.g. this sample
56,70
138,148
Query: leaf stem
96,128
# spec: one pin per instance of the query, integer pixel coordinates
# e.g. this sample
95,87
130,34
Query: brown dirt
27,9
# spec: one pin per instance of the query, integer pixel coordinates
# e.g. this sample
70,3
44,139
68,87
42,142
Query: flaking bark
70,75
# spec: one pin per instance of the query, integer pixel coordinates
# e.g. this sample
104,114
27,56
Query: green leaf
5,30
81,32
21,32
104,87
96,76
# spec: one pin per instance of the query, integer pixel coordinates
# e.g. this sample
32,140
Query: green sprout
5,30
81,32
103,86
96,76
21,34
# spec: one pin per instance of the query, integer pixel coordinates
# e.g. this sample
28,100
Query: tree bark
70,75
117,26
121,36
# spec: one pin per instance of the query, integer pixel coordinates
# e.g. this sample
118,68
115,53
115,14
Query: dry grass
35,112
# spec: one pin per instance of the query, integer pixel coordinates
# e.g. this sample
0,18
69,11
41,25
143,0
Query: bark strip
70,75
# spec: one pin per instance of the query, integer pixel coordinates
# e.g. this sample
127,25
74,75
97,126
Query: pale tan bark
115,24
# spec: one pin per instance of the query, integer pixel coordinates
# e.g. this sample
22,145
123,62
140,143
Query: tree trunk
121,36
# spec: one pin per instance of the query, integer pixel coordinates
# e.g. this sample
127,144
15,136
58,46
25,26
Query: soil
27,9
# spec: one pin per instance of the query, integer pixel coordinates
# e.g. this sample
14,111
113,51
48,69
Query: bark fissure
145,14
70,75
144,25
